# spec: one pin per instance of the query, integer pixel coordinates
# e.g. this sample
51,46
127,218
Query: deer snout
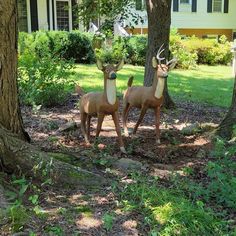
112,75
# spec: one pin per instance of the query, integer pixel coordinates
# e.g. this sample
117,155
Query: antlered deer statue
148,97
102,103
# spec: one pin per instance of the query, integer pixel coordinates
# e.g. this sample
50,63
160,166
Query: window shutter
226,6
176,5
209,5
194,5
34,15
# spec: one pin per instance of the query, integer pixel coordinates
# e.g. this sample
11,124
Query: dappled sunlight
163,213
86,223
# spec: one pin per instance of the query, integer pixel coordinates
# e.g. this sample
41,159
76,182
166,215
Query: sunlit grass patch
168,211
205,84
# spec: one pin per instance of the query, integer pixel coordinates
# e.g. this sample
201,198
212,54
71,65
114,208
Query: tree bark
10,116
159,20
228,124
15,152
33,162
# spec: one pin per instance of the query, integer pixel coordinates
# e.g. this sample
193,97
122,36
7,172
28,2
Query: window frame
222,7
69,10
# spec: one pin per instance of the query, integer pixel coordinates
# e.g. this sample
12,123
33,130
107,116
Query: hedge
78,46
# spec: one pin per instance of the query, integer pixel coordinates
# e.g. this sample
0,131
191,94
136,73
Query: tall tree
15,152
10,116
159,20
228,125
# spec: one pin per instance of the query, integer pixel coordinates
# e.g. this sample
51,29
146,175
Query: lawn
206,84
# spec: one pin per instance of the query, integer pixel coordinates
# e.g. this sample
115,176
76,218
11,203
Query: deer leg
88,126
83,117
143,112
115,118
157,121
124,118
99,125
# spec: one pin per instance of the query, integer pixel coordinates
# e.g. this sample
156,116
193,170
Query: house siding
199,23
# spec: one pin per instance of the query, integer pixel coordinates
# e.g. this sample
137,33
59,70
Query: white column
28,15
42,14
50,15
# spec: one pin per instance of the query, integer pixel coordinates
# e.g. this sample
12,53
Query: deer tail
130,81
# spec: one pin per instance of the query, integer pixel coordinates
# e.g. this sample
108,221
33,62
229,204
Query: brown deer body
100,104
147,97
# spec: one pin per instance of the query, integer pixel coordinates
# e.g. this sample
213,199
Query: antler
172,60
159,54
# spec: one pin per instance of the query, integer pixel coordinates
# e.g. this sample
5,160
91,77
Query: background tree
159,20
15,152
107,10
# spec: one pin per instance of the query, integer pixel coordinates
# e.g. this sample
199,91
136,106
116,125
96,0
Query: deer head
109,72
162,69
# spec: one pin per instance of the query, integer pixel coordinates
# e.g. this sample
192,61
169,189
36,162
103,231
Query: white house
46,15
203,18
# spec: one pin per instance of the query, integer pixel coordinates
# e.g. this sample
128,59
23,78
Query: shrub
186,58
42,76
209,51
112,53
136,49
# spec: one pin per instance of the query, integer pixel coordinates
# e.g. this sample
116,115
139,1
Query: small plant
54,230
108,221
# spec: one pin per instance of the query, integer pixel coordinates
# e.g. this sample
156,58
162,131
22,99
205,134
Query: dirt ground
80,211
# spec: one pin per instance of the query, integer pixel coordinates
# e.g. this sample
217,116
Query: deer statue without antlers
102,103
148,97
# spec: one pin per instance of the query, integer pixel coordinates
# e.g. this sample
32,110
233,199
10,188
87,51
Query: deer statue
102,103
148,97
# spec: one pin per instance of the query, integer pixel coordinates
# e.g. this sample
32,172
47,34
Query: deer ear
120,65
99,64
171,64
154,62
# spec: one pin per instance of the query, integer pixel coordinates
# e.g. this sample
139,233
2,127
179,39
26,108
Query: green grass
205,84
168,211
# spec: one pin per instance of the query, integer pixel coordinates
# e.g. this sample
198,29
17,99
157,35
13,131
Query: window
184,2
140,5
62,9
22,15
217,5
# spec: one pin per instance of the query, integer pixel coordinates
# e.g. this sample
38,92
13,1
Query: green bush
209,51
186,58
42,76
78,46
136,50
68,45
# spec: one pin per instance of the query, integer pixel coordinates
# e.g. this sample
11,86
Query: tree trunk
159,19
33,162
10,116
228,125
15,153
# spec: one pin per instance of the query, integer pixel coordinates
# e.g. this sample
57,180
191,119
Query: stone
191,129
69,126
128,164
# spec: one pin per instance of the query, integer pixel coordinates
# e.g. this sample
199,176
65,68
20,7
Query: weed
108,220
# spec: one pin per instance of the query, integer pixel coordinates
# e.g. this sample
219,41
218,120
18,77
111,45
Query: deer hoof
122,149
158,141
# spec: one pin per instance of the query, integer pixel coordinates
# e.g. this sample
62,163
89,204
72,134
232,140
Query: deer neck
158,87
110,91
